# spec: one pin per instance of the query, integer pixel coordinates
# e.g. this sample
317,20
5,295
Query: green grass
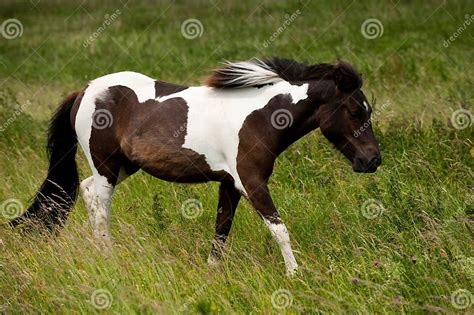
422,240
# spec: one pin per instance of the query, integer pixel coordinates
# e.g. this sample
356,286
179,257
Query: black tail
58,192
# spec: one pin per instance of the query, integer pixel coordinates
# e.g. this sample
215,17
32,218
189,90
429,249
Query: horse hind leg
101,206
88,192
97,192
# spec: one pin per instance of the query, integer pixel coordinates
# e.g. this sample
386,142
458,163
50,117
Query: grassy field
397,241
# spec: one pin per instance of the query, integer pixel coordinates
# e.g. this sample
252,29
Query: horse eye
353,113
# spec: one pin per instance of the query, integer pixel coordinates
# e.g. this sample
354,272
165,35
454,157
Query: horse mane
257,72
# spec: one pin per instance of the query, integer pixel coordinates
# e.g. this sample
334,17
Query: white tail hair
244,74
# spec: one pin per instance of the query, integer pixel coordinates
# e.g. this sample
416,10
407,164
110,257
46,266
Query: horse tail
58,192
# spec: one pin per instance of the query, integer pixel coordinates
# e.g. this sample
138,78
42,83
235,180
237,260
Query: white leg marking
87,189
97,194
280,233
101,206
213,258
212,261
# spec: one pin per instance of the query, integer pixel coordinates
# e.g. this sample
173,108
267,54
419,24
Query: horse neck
304,120
305,112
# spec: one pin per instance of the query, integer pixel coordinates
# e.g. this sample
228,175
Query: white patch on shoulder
366,106
215,117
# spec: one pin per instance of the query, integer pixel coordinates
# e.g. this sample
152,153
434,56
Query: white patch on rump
98,196
215,117
143,87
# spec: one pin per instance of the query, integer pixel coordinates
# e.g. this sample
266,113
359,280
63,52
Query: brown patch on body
260,142
149,136
164,88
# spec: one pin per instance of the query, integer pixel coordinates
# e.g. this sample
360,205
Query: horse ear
347,79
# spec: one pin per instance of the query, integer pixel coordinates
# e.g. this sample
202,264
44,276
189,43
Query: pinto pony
229,130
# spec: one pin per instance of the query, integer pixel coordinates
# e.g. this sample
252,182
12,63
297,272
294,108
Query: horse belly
172,163
154,141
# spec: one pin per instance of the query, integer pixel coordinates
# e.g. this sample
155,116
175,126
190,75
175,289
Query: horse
230,130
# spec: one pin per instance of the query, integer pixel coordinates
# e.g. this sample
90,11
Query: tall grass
411,255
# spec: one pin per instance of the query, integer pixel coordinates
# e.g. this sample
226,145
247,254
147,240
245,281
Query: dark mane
256,72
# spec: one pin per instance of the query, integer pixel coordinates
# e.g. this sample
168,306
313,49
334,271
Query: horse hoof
212,261
292,272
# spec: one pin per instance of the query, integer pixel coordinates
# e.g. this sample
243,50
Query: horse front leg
229,198
260,198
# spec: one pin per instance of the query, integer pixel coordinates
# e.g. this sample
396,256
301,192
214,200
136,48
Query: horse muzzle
366,163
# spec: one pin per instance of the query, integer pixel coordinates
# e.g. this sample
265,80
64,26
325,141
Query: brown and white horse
230,130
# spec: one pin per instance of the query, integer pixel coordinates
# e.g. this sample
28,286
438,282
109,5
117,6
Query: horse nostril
375,161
